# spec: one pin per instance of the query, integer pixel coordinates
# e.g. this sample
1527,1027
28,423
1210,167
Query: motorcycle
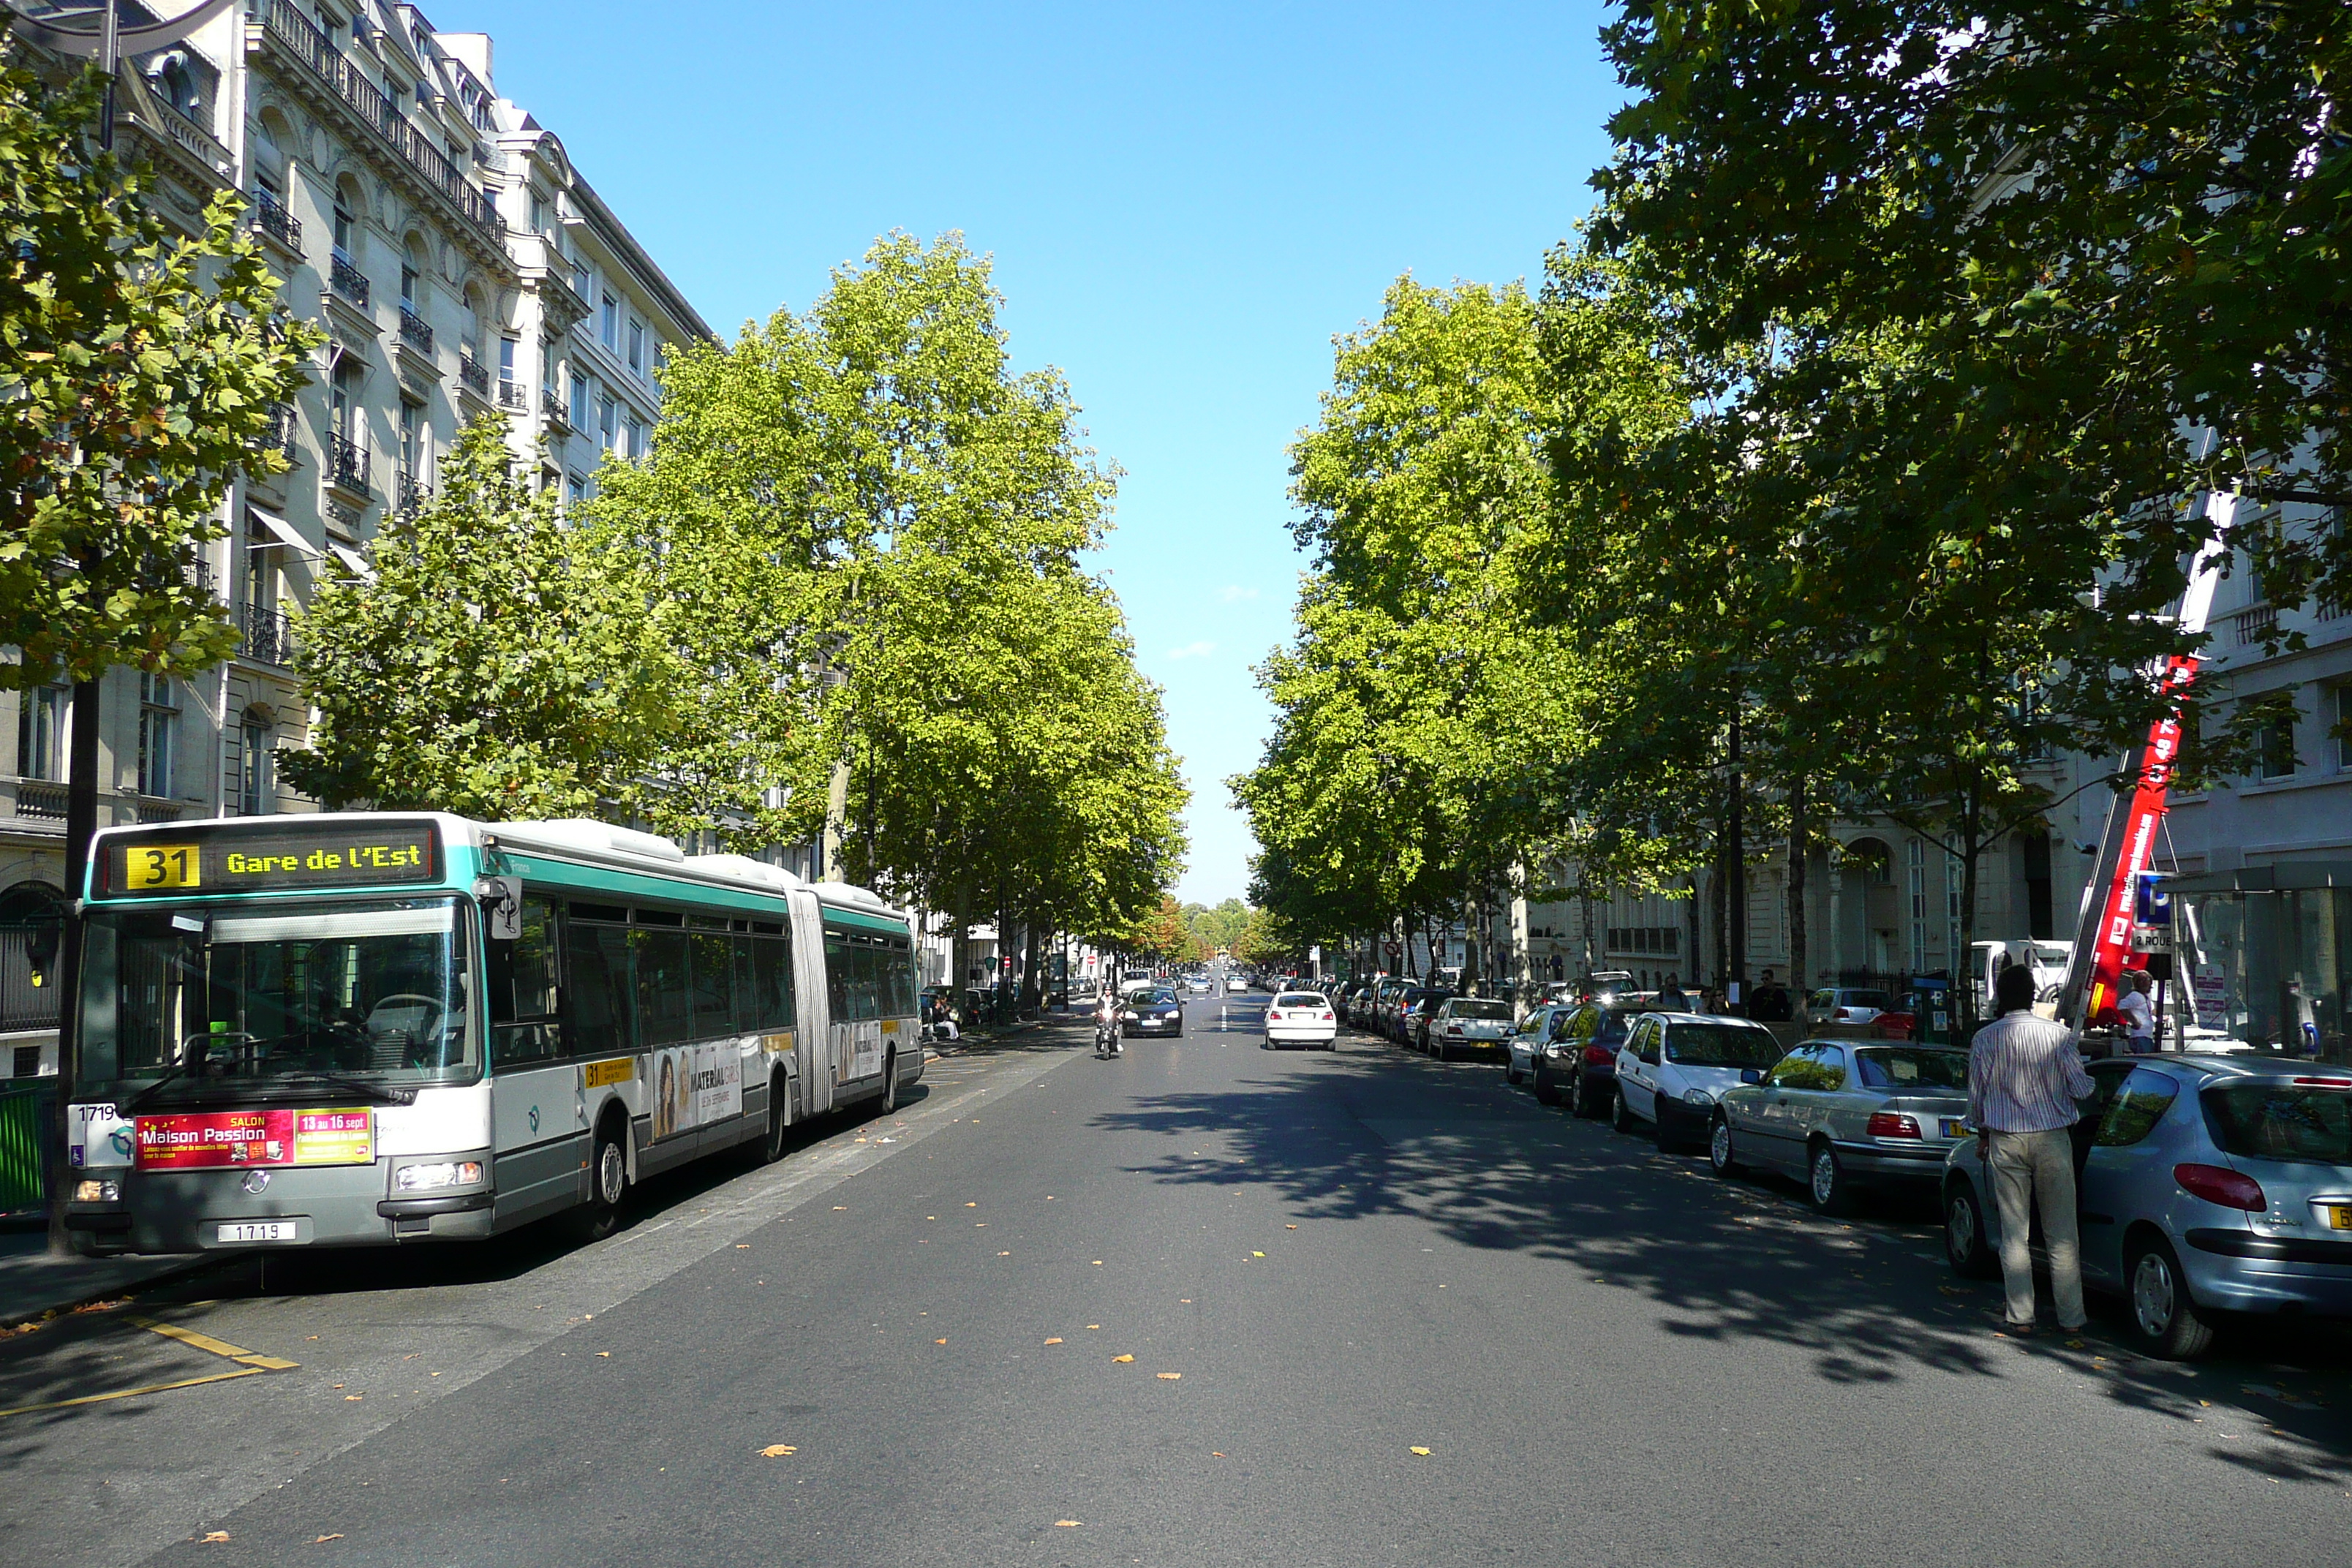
1107,1042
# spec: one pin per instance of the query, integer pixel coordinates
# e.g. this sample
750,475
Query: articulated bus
376,1028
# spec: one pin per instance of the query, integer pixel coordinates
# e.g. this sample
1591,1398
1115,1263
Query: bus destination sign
217,859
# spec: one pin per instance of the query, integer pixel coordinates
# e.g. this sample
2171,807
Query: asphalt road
1321,1263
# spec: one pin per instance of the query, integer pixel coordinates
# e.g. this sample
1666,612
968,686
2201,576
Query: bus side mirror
501,901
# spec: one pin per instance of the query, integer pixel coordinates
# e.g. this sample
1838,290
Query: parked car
1153,1011
1580,1063
1301,1019
1529,1040
1412,1006
1385,999
1848,1004
1673,1065
2209,1185
1461,1024
1354,1001
1843,1117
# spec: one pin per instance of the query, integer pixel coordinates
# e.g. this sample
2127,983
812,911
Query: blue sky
1184,204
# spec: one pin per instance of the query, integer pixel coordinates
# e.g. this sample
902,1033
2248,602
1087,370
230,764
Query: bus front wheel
608,1182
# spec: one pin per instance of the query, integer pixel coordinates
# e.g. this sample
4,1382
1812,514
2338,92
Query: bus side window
865,961
902,980
523,990
665,1010
836,976
773,960
714,984
596,1016
751,1009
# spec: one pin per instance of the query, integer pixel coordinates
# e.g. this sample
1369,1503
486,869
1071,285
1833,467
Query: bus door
813,1003
537,1111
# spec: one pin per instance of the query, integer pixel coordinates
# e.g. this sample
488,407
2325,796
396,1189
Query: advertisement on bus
696,1085
209,1140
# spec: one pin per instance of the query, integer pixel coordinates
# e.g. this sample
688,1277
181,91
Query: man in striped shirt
2025,1074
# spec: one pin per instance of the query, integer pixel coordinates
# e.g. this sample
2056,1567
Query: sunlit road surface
1378,1311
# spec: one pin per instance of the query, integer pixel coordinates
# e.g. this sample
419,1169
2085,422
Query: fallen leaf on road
324,1539
339,1385
938,1342
1422,1452
1094,1325
972,1205
1099,1263
1066,1525
1169,1376
979,1224
841,1208
2074,1344
1291,1227
1257,1254
743,1246
777,1450
1214,1454
1005,1254
1053,1342
1122,1358
606,1354
857,1140
1184,1301
350,1398
217,1535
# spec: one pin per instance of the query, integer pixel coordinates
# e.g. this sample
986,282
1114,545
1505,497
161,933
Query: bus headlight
445,1173
98,1192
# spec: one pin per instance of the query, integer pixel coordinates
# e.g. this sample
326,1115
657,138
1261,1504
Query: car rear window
1300,999
1906,1072
2275,1118
1863,998
1721,1046
1492,1011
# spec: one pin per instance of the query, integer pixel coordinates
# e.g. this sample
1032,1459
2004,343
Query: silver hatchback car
2208,1185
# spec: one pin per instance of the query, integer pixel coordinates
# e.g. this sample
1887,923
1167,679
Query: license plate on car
257,1230
1955,1128
2339,1216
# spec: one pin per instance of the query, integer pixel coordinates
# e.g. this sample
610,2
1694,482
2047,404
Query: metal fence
26,1110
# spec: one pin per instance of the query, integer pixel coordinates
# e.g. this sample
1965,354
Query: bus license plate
257,1230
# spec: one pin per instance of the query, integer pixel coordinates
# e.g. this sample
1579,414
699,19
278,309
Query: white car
1673,1065
1301,1019
1533,1035
1235,982
1848,1004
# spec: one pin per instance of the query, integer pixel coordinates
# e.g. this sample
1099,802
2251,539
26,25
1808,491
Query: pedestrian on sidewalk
1671,998
2138,1013
2025,1074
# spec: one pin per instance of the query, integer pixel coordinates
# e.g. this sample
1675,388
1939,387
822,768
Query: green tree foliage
494,667
140,369
869,528
1393,785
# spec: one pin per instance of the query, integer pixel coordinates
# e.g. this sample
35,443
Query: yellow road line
216,1347
135,1393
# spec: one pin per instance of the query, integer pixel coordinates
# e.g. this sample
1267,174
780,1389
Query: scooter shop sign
203,1140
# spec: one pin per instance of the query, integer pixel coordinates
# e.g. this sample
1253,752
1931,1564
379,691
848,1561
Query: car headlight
1128,1017
1697,1097
443,1174
98,1192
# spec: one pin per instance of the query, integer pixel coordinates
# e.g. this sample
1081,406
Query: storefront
2266,953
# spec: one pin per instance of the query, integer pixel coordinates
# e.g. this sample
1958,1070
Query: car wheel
1721,1157
1825,1183
1965,1247
1581,1099
1511,1074
1620,1115
2164,1320
1546,1092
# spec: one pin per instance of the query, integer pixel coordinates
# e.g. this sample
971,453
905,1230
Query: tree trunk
1696,959
960,953
1032,990
1798,835
1719,896
1963,995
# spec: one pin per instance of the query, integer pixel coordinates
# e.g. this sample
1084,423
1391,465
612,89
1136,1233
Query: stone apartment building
463,269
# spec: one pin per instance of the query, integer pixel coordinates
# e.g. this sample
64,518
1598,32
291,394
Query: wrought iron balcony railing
474,373
347,465
271,216
349,283
513,396
412,492
553,406
415,331
268,635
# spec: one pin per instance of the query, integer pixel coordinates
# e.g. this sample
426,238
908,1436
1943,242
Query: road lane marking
250,1363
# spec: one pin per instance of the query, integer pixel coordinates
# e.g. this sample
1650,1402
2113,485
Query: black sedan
1154,1012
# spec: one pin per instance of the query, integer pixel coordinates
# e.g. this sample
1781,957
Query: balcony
411,493
475,374
415,331
513,397
347,465
554,407
348,282
287,29
47,800
279,437
271,219
268,635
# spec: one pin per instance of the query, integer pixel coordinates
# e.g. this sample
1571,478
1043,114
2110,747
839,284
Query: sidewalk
977,1038
32,1283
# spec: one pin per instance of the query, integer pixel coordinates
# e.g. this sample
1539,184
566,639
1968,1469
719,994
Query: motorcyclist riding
1107,1032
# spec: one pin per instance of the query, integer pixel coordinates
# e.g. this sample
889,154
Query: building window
608,422
2342,698
609,328
635,448
258,789
343,231
2275,749
537,213
41,733
509,348
1916,863
159,734
408,285
637,346
575,489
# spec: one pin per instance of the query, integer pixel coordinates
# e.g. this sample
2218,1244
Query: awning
351,557
281,532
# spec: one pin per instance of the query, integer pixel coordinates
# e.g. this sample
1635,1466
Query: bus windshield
191,1005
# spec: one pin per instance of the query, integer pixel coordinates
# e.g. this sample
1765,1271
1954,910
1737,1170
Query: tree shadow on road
1374,1132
